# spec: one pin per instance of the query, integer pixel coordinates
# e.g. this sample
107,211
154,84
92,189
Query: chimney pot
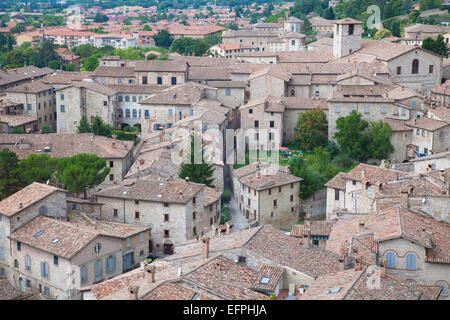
150,273
205,247
134,290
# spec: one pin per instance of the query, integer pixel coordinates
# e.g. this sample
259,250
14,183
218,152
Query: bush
226,196
225,216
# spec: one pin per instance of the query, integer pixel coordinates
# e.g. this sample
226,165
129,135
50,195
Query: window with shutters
411,261
390,260
83,274
44,270
110,263
2,253
98,270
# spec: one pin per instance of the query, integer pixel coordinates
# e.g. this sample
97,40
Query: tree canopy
437,46
197,172
311,130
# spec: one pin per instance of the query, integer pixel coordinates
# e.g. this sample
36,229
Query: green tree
311,130
17,130
197,172
350,137
437,46
46,129
100,128
329,14
382,33
99,18
38,168
84,126
226,196
147,28
307,27
379,135
44,54
429,4
81,172
163,39
188,45
11,177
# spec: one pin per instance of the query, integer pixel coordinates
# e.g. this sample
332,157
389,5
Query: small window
46,291
166,233
166,217
242,259
250,111
399,70
55,260
411,262
111,164
159,80
19,246
136,201
115,212
128,242
415,66
83,274
193,215
141,237
275,203
173,81
63,108
227,92
292,198
136,215
430,68
336,194
351,28
256,124
272,124
111,177
97,248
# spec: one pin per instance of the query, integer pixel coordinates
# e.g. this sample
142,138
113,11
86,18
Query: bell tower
347,37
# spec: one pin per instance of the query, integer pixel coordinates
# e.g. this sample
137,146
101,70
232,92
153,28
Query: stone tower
347,37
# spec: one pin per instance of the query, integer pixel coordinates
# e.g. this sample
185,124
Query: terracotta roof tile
26,196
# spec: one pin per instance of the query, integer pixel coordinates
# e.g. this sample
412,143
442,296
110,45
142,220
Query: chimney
205,247
160,136
341,265
134,290
358,263
20,204
150,273
308,228
113,144
442,175
404,199
186,179
141,161
362,225
228,224
363,192
180,271
383,269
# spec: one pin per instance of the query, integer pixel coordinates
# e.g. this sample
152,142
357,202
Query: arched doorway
123,125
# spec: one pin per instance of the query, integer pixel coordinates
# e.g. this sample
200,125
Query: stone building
352,192
50,253
164,108
37,100
267,197
15,77
20,208
412,247
83,99
176,210
234,266
269,37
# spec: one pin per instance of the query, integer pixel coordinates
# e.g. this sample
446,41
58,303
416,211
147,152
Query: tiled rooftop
59,238
154,188
26,197
65,145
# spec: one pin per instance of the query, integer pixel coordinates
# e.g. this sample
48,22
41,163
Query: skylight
195,297
37,234
334,290
55,240
265,280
